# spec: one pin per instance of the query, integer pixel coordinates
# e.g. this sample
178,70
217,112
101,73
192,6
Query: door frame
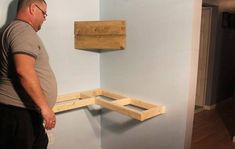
204,56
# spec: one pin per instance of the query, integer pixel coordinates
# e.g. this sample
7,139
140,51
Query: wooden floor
215,129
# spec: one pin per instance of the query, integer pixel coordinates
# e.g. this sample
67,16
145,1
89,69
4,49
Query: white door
203,56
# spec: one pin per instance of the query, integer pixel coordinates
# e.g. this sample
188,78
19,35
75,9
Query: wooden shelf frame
102,35
135,108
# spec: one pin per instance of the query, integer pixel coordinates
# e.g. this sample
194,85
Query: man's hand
28,77
49,118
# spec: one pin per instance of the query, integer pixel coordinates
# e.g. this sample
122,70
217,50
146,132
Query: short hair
25,3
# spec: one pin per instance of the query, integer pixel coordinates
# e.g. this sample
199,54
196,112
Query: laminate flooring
215,129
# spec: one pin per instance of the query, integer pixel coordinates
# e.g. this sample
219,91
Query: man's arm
28,77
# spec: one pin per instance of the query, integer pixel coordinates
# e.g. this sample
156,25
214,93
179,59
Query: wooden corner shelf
134,108
100,35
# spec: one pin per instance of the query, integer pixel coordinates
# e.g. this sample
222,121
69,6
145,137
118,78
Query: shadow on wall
11,13
116,125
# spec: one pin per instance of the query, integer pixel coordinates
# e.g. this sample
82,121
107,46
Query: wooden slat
112,95
90,93
73,105
67,97
98,91
100,28
122,102
119,102
101,35
151,113
142,104
99,42
126,111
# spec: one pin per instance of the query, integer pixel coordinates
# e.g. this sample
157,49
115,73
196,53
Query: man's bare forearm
29,80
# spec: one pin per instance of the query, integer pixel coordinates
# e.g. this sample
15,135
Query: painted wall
158,65
75,70
7,11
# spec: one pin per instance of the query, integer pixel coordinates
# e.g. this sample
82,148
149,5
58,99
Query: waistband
17,108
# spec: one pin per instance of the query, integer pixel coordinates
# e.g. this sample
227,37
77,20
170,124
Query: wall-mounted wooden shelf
100,35
134,108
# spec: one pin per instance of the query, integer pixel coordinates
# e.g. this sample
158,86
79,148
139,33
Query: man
27,84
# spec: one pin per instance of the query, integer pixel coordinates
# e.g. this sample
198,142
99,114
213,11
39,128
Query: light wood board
135,108
100,35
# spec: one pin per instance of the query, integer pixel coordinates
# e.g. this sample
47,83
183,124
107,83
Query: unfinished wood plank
100,34
105,27
90,93
67,97
142,104
112,95
98,91
69,105
121,109
100,42
119,103
151,112
122,102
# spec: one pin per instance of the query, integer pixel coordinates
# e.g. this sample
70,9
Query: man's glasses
43,12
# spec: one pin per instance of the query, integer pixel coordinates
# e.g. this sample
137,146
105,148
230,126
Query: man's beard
39,27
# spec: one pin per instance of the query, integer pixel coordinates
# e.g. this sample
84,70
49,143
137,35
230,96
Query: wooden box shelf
100,35
134,108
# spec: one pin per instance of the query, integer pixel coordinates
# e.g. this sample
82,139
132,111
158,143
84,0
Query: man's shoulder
20,27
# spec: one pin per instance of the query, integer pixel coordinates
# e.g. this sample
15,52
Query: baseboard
198,110
211,107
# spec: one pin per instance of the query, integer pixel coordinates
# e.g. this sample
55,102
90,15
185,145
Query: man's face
40,15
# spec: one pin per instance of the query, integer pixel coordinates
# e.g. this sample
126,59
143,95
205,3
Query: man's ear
32,8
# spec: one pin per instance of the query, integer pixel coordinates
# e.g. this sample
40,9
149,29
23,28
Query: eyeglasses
43,12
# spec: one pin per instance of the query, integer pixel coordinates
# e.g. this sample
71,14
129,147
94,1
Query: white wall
7,11
75,70
158,65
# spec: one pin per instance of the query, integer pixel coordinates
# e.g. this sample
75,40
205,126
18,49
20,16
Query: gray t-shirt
20,37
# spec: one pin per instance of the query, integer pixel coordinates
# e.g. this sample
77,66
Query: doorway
204,53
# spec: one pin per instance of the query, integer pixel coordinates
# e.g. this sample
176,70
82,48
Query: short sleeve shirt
20,38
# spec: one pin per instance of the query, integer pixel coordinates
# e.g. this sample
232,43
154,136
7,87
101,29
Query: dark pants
21,129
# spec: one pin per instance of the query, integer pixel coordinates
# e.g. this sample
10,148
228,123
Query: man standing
27,84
